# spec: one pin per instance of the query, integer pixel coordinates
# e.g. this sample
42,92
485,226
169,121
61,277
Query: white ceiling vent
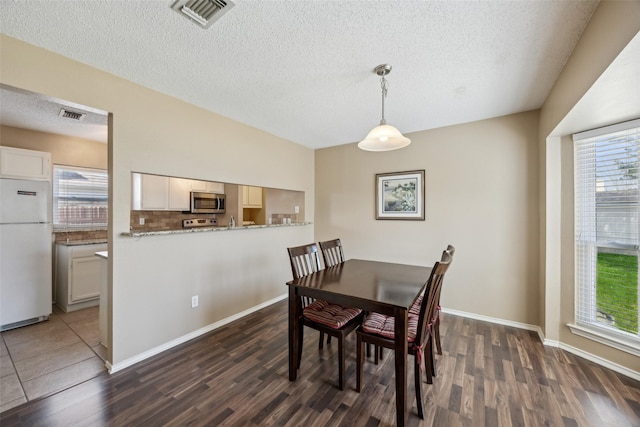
66,114
203,12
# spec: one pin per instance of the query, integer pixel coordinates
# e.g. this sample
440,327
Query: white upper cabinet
25,164
207,186
157,193
179,194
150,192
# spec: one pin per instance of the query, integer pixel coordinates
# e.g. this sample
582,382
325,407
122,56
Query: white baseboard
474,316
164,347
551,343
602,362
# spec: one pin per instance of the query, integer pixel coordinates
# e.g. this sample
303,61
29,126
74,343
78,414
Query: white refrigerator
25,252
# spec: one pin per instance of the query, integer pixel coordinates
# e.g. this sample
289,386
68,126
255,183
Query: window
80,197
606,230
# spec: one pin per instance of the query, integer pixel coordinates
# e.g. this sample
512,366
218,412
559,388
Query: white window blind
80,197
607,235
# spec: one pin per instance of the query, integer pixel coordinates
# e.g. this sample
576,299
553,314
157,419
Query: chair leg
418,385
378,356
428,362
359,362
328,339
300,339
341,362
432,357
368,350
320,342
436,336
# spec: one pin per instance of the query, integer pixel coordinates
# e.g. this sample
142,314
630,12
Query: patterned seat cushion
379,324
332,315
415,307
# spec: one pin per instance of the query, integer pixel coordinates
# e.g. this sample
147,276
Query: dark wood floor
489,375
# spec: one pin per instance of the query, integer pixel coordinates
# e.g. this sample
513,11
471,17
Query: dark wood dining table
383,287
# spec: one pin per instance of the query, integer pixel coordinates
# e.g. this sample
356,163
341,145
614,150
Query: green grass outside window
617,289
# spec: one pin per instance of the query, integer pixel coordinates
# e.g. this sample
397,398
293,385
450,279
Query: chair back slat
432,296
332,253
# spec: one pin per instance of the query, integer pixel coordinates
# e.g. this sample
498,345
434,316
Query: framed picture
400,195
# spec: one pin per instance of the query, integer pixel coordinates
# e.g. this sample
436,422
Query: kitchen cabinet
251,197
207,186
158,193
78,275
19,163
180,194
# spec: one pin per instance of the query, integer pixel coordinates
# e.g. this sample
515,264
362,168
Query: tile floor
47,357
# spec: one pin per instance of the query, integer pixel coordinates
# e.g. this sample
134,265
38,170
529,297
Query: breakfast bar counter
207,229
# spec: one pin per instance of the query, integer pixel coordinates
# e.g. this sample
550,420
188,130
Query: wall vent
66,114
203,12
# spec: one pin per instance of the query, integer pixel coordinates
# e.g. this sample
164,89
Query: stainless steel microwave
207,202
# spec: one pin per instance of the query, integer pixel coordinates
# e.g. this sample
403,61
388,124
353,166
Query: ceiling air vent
203,12
66,114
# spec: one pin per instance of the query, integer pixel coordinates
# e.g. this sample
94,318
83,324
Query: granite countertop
206,229
82,242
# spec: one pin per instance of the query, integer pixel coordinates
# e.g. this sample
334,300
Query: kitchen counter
207,229
82,242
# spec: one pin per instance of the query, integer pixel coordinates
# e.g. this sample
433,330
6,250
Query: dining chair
435,330
332,252
331,319
378,329
436,321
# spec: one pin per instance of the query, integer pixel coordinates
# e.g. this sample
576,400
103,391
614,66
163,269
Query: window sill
620,343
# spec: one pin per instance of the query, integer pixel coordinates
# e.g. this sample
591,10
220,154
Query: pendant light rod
383,70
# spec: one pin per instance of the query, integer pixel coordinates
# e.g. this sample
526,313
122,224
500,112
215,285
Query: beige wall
152,279
481,196
611,28
65,150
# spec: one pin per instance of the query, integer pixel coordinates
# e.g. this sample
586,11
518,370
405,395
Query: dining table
373,286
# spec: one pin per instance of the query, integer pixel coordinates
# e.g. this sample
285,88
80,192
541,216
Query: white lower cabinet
78,276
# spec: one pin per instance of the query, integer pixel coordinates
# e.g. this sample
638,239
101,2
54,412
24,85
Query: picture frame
400,195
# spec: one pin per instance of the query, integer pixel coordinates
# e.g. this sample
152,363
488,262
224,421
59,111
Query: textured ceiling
303,70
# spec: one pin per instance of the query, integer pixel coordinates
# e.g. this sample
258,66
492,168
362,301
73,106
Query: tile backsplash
166,220
81,235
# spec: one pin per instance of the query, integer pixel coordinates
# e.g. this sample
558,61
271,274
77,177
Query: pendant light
384,137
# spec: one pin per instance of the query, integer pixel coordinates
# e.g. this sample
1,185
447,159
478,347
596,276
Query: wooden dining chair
332,252
378,329
331,319
436,322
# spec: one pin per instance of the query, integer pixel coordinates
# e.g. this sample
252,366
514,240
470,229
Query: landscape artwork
400,195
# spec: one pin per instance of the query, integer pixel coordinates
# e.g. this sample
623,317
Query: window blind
80,197
607,236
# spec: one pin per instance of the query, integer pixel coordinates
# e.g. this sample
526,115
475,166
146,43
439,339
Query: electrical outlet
141,221
194,301
296,209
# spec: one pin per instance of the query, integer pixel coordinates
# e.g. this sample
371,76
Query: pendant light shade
384,137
